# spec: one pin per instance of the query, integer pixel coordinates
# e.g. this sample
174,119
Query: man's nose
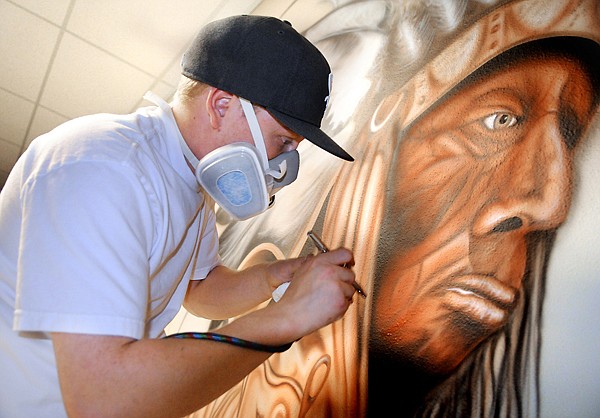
533,183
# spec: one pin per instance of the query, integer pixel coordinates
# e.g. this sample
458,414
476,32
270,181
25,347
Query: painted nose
533,183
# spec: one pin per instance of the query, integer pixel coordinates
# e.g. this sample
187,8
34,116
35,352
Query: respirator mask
239,177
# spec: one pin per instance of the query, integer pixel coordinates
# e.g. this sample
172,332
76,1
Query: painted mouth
482,298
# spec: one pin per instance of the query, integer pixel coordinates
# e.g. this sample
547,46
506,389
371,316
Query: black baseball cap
266,61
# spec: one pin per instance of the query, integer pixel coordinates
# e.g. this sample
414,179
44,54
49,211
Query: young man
107,228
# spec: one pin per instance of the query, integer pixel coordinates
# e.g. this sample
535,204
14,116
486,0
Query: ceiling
66,58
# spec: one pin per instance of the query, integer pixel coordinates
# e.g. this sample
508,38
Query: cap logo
329,85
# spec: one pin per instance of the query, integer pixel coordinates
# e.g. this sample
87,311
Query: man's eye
288,144
500,121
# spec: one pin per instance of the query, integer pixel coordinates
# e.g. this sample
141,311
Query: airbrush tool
323,248
278,293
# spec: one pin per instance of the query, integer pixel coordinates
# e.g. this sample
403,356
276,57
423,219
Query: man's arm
118,376
227,293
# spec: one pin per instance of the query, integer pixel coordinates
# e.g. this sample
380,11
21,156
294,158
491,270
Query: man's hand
320,288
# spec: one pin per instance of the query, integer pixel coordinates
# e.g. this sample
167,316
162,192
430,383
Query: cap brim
312,133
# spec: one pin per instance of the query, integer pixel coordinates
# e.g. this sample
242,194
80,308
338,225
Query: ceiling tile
8,155
172,74
43,121
3,176
26,46
147,34
16,113
164,90
53,10
87,80
111,52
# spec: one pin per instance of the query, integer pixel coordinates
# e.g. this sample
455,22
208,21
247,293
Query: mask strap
259,141
189,155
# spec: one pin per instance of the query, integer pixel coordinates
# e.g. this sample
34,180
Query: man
107,228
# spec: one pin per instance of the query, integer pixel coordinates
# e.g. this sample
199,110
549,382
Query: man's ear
217,105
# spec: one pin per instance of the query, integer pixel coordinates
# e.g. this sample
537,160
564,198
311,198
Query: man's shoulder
96,137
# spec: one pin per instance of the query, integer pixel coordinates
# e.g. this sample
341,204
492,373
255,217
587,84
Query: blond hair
188,89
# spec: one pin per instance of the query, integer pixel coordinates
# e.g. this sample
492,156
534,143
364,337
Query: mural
465,119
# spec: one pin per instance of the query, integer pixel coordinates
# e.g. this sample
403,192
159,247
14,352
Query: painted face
474,179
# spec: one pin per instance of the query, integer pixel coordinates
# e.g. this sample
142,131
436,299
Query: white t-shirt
99,226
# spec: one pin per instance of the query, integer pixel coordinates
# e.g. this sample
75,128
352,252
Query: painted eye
500,121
